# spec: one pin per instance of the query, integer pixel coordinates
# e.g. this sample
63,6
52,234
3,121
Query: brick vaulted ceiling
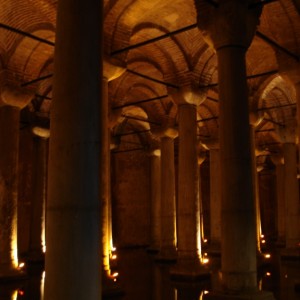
175,60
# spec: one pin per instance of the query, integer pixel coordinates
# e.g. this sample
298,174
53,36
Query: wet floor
140,277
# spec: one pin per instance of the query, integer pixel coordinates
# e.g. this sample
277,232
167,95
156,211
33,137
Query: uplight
267,255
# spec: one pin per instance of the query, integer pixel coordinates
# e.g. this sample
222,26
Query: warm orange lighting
205,292
114,256
205,241
113,249
268,274
262,236
21,292
267,255
21,265
263,241
116,274
205,260
205,254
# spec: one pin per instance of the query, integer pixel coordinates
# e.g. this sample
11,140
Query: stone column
231,27
281,228
254,122
287,135
111,71
215,196
168,201
155,182
37,245
12,100
73,260
188,207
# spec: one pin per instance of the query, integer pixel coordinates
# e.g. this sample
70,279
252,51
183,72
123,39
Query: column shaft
73,239
155,201
238,214
281,228
9,148
168,207
37,218
291,195
215,199
188,215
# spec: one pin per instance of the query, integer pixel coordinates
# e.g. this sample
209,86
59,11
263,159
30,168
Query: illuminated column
254,122
73,261
37,217
155,165
287,135
281,229
188,207
231,27
11,102
168,202
200,160
215,195
110,72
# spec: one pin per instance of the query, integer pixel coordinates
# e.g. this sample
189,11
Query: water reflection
141,277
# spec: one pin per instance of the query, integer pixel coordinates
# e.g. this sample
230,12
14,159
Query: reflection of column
155,164
110,72
73,207
13,100
201,158
231,27
168,204
279,163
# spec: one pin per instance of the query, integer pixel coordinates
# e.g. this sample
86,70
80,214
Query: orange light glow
205,260
268,274
21,265
114,256
263,241
267,255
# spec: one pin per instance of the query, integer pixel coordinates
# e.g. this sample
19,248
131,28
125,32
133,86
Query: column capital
189,94
41,132
211,144
16,96
277,159
288,133
255,118
112,68
231,23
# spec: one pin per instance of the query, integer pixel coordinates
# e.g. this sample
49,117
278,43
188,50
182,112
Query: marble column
215,196
12,100
37,245
230,28
255,119
287,135
188,207
73,257
111,71
278,160
155,196
168,241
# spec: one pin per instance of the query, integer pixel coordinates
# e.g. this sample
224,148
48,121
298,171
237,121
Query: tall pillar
188,207
12,100
155,182
168,241
278,160
110,72
73,260
37,216
287,135
215,196
231,27
254,122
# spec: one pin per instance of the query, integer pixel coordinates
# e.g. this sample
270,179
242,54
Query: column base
189,269
290,253
245,296
167,255
9,275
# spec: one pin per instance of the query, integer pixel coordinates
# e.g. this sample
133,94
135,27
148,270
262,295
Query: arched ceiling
162,49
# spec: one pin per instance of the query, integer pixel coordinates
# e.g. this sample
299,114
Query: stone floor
141,278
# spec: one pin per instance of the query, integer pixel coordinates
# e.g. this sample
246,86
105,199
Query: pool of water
140,277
